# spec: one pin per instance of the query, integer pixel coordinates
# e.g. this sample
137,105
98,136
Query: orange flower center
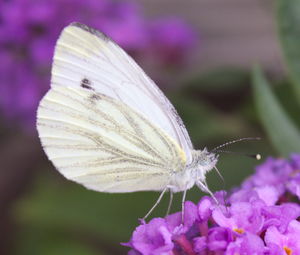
288,250
240,231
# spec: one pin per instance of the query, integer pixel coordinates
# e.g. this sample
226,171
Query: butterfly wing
102,143
85,57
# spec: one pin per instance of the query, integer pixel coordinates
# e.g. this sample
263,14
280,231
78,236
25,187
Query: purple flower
273,172
256,221
268,194
295,161
294,186
218,238
287,243
190,216
172,39
200,244
132,33
280,215
205,207
152,238
243,217
29,30
247,244
161,233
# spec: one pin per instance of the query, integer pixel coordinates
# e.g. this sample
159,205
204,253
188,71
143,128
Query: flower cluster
261,218
29,29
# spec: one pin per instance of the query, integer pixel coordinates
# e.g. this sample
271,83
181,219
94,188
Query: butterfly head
204,161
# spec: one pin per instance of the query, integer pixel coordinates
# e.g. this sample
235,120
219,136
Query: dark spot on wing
91,30
86,83
95,97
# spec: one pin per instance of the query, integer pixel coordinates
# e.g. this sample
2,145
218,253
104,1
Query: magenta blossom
260,219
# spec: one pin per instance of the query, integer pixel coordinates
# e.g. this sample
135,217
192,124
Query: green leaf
288,18
281,131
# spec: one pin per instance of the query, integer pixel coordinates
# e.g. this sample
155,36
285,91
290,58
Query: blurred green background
207,56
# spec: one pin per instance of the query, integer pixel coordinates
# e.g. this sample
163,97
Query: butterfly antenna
235,141
255,156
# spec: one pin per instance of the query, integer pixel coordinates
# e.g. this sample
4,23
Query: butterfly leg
224,199
170,203
182,206
220,175
156,203
203,187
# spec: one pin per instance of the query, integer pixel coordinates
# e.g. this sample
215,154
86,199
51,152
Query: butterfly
106,125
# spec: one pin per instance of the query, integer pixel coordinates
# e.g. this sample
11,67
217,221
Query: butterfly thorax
202,162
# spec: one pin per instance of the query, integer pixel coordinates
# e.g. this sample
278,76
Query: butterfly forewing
87,58
104,144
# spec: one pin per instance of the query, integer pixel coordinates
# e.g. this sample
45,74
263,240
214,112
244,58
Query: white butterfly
105,124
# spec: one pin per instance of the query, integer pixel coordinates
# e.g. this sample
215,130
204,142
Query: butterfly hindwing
103,144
